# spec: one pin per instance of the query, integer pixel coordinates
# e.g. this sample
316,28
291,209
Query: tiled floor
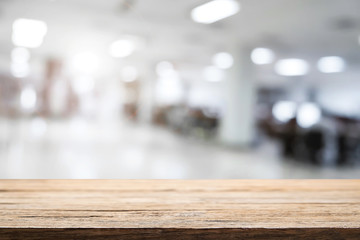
83,149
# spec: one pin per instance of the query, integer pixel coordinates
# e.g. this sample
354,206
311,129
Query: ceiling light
331,64
215,10
223,60
262,56
122,48
28,32
20,70
20,55
292,67
213,74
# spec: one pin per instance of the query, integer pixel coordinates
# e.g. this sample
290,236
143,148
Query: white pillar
147,92
238,120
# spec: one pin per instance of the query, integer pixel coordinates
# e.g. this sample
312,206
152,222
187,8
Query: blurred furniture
314,144
186,120
179,209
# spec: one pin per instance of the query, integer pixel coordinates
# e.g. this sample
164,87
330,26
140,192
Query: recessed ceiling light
122,48
20,55
20,70
292,67
262,56
331,64
28,32
125,46
223,60
215,10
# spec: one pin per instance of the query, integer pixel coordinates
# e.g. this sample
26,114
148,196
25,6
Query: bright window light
331,64
28,99
20,55
262,56
308,115
85,63
122,48
213,74
283,111
129,74
223,60
292,67
28,33
215,10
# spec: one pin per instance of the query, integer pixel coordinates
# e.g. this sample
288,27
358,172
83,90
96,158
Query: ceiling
297,28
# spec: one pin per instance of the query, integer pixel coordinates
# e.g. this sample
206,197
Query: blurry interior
179,89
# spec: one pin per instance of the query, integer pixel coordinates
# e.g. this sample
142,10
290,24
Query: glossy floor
75,148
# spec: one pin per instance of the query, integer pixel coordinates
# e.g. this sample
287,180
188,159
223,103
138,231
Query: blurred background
179,89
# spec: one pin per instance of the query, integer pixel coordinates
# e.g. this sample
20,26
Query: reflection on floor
82,149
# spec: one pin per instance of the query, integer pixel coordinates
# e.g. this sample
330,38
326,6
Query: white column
238,120
147,92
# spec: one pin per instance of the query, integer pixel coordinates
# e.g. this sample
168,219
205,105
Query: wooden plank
179,209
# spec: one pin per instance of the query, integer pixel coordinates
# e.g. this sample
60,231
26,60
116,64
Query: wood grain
179,209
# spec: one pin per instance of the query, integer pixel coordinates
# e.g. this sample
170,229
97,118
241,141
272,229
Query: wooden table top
179,209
